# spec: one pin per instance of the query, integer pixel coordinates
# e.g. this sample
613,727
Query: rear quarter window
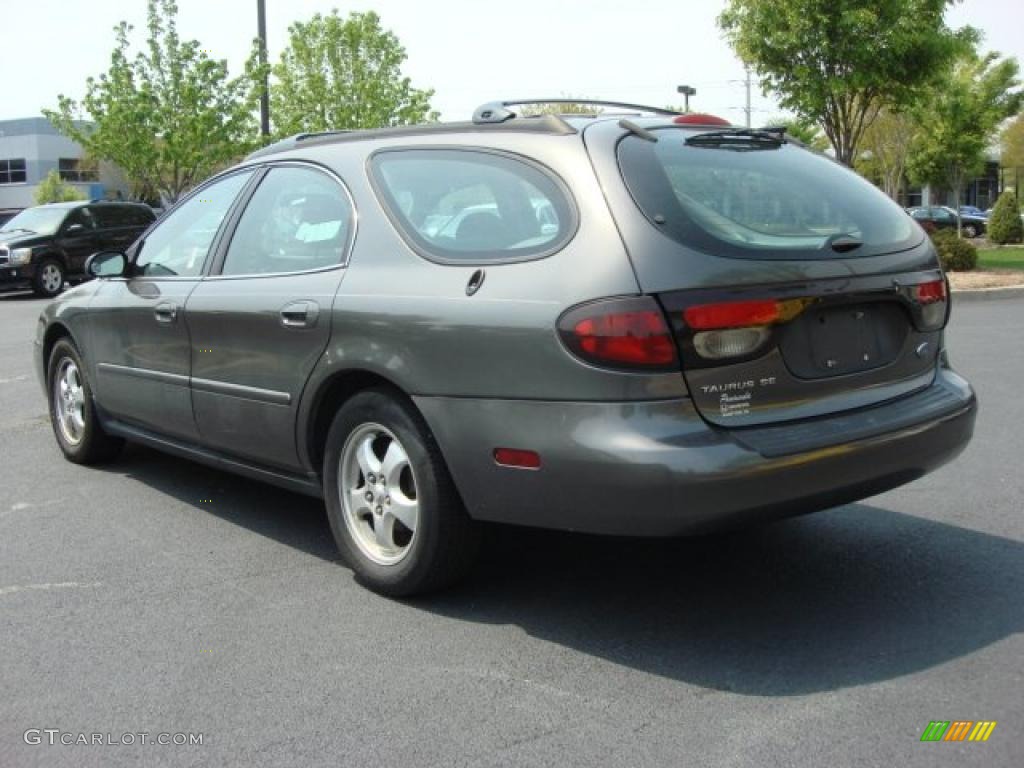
471,206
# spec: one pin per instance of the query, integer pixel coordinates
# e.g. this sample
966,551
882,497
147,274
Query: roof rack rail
498,112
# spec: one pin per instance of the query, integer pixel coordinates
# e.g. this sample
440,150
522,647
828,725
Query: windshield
760,199
39,221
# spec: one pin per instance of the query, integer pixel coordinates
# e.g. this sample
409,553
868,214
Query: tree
1011,142
838,63
170,115
885,150
957,122
338,74
581,107
1005,225
53,189
804,131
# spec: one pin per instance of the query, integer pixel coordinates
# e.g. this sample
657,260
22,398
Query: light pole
687,92
261,24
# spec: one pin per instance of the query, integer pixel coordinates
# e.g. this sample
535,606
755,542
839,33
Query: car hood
16,239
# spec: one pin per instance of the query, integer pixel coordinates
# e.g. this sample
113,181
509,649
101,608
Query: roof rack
498,112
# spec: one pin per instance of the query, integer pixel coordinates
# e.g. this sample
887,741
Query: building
31,147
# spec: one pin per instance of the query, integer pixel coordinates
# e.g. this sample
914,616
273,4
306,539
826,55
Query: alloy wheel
378,492
69,401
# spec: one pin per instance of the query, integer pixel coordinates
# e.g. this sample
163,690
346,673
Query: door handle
300,314
166,312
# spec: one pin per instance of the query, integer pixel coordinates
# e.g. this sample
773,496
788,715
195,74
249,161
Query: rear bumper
658,469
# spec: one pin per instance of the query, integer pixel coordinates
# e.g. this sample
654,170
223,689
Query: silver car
647,325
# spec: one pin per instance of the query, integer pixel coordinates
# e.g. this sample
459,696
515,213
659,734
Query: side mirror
106,264
74,229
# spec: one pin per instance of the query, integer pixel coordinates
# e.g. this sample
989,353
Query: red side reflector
698,118
632,338
929,293
515,457
733,314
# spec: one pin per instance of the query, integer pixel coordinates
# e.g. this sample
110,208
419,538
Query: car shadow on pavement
854,595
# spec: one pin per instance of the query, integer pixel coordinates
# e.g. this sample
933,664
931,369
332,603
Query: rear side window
465,206
759,201
297,219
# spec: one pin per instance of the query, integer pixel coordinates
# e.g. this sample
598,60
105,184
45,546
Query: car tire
970,231
393,507
49,278
72,412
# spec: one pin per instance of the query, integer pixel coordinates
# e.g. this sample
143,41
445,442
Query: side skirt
305,484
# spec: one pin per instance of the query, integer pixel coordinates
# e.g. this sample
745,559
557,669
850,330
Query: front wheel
72,413
970,230
393,507
49,279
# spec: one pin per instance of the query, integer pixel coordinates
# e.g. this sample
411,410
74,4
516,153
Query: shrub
1005,225
956,254
53,190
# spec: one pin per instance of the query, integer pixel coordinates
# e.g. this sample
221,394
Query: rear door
260,323
794,287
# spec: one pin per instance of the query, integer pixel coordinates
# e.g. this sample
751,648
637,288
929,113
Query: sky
468,51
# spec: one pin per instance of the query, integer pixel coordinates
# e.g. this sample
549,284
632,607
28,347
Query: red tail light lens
620,333
742,314
929,293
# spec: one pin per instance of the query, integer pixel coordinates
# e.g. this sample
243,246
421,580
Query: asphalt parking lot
159,596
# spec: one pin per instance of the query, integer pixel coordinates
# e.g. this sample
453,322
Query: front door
77,238
140,340
261,321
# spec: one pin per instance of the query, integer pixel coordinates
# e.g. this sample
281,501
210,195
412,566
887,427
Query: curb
989,294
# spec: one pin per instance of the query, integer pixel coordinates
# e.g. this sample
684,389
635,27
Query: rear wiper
844,243
739,137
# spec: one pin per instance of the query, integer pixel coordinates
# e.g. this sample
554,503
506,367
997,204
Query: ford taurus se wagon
648,325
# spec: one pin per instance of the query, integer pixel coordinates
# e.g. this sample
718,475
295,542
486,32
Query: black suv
42,246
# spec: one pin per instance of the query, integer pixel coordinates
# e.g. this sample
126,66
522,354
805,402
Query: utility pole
261,23
746,109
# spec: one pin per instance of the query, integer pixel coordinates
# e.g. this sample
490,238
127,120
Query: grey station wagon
646,325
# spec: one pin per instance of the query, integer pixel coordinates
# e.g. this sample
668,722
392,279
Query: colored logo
958,730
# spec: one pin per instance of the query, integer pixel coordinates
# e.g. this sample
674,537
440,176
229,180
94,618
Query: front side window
179,245
759,199
297,219
470,206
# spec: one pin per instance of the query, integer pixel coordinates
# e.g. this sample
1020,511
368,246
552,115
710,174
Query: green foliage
801,129
575,108
838,63
170,115
1005,225
1011,142
955,253
53,189
338,74
885,150
958,120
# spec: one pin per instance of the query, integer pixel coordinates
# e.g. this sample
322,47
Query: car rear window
468,206
759,199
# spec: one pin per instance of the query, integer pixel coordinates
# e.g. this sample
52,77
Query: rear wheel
72,413
49,279
394,510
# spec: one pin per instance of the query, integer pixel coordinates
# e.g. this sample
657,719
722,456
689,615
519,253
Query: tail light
737,328
933,299
629,334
